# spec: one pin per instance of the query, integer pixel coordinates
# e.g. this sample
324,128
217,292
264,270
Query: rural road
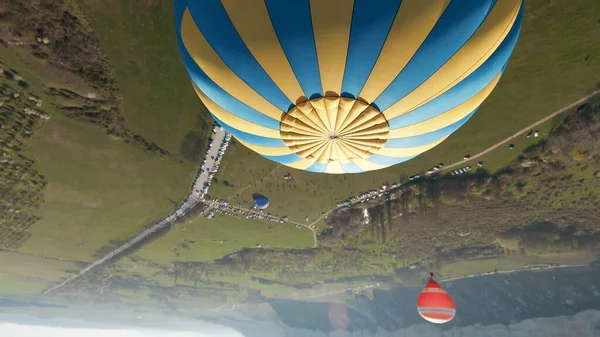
193,199
218,140
522,131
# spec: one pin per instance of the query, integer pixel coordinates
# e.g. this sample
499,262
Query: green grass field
30,274
158,100
205,239
549,69
99,189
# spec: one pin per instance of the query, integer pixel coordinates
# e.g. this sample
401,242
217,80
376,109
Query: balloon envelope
434,304
338,317
350,86
261,202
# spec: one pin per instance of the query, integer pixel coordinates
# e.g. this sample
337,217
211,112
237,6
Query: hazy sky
18,330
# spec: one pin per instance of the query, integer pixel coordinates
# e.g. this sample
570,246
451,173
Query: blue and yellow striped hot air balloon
345,86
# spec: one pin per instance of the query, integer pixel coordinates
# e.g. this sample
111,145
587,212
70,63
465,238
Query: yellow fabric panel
309,151
408,151
307,147
447,118
359,151
334,168
333,154
251,20
302,164
344,154
288,124
233,120
318,106
308,114
341,155
214,67
471,56
368,144
267,150
366,165
318,153
298,114
297,138
355,152
313,153
366,120
413,23
356,110
372,131
294,141
332,105
374,134
325,156
331,21
346,105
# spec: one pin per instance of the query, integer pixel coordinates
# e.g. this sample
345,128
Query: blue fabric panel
467,88
293,25
211,89
317,167
212,20
250,138
351,168
386,160
456,26
370,27
427,138
287,159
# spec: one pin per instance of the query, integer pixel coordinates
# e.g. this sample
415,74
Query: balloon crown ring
334,129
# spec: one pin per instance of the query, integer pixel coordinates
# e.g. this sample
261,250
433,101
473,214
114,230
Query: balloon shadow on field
256,196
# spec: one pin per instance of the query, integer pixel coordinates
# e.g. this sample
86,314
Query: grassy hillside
158,100
97,190
204,239
30,274
100,191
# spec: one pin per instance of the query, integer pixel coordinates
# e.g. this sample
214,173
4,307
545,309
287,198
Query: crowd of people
201,186
368,195
223,207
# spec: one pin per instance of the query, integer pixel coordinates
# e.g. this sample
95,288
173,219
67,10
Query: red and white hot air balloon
434,304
